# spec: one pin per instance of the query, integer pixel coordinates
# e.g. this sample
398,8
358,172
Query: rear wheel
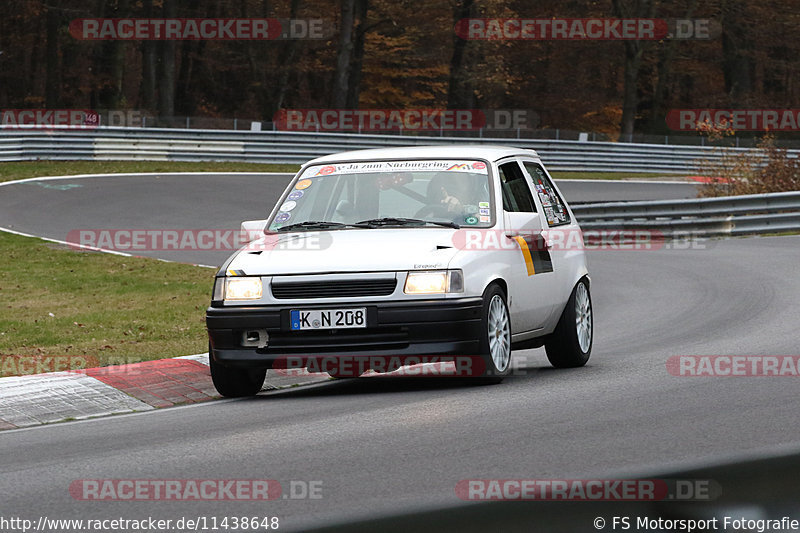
570,345
234,382
495,339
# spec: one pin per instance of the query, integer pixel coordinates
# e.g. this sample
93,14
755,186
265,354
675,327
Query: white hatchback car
405,252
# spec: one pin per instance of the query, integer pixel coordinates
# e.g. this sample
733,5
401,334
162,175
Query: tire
495,339
570,345
233,382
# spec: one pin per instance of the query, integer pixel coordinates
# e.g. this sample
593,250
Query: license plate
329,319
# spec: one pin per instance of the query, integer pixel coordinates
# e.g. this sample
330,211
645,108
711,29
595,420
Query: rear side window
554,209
516,193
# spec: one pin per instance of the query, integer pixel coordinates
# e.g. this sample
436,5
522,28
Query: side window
554,209
516,193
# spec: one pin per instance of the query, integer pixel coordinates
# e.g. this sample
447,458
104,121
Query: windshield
396,193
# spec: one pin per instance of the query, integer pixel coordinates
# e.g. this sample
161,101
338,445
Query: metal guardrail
701,217
755,492
112,143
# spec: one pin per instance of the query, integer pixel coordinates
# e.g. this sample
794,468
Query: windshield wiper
394,221
318,224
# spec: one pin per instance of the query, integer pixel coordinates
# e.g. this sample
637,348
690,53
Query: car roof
452,151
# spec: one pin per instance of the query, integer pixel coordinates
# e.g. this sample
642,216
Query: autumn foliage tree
405,54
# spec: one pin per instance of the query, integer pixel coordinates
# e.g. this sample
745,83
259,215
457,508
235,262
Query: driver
450,191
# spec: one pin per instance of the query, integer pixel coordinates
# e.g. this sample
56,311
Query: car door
560,231
530,284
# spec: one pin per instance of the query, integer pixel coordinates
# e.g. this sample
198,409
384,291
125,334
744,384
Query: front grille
333,289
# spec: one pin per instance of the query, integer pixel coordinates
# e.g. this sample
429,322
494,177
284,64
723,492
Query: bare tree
344,56
633,61
664,73
460,92
166,86
52,90
737,62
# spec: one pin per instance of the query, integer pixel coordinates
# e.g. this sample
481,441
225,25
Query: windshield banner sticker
474,167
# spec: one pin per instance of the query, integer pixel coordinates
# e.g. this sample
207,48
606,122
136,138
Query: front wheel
495,336
236,382
570,345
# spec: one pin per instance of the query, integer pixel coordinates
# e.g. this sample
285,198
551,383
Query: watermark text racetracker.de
557,239
584,29
405,119
43,118
28,365
734,366
394,366
735,119
194,29
598,490
143,240
243,490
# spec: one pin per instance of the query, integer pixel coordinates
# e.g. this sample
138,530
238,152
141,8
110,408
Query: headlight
434,282
245,288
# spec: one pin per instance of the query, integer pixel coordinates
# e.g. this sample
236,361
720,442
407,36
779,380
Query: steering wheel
434,210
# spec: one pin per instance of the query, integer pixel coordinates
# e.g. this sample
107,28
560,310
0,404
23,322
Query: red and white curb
94,392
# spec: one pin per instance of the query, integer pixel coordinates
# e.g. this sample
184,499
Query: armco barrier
703,217
113,143
755,494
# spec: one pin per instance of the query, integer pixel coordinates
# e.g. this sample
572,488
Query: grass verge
58,302
33,169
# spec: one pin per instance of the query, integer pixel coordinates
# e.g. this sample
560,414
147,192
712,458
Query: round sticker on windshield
324,171
288,206
303,184
282,217
295,195
471,220
480,165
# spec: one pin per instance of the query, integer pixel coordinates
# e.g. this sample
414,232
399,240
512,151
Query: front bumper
420,327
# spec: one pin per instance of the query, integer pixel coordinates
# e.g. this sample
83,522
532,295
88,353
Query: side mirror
516,223
252,230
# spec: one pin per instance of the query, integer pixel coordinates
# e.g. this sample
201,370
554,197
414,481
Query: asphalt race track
380,446
51,208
